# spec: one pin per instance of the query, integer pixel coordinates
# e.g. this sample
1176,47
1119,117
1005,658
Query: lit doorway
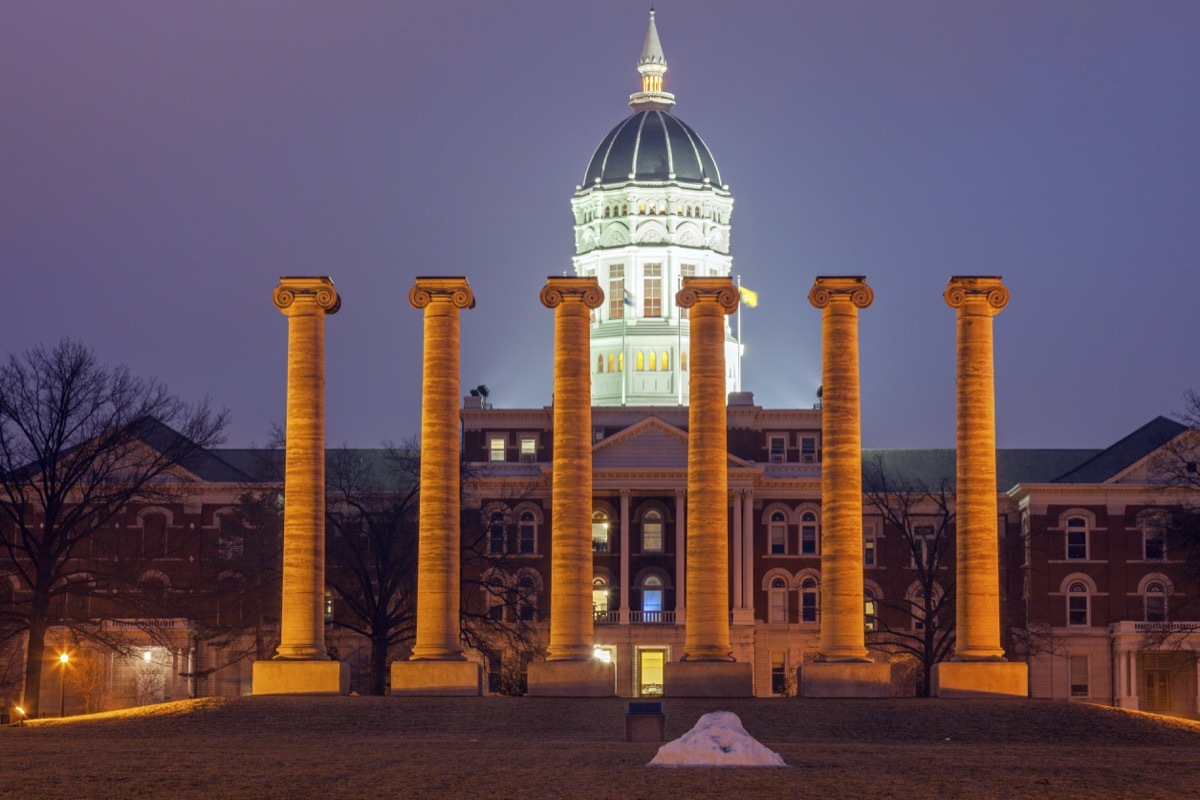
650,662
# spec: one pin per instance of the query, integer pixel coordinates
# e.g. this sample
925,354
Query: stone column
977,541
571,667
301,665
843,668
705,670
437,665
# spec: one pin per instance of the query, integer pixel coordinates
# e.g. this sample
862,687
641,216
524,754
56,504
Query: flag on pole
628,298
749,296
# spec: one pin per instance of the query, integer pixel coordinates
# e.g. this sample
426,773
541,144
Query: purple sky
161,164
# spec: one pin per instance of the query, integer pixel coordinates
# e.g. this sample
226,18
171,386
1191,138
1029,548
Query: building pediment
648,444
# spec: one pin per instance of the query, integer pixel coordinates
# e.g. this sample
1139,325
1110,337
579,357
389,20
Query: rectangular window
652,297
808,539
652,536
808,606
599,535
616,291
230,547
1077,538
776,449
1154,542
1079,676
923,545
1077,610
779,681
869,551
778,539
496,444
528,449
1156,608
808,449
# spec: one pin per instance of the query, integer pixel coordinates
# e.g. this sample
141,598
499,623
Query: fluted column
707,628
571,619
439,528
842,629
305,301
977,541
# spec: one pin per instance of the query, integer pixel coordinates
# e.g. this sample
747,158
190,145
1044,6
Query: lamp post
63,659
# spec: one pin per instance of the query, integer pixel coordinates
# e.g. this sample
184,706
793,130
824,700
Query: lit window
599,532
683,360
652,532
641,361
778,533
869,551
1079,676
808,449
612,362
869,611
1077,538
652,361
808,600
527,532
652,598
808,534
528,449
776,449
1156,602
600,362
665,362
620,362
600,597
496,533
1077,604
778,592
496,448
616,291
652,296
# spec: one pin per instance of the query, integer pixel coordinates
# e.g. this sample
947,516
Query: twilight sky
161,164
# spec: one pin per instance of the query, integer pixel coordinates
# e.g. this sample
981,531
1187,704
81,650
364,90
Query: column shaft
306,301
439,544
707,628
571,620
842,628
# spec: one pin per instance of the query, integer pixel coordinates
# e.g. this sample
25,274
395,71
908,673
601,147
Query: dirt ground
379,747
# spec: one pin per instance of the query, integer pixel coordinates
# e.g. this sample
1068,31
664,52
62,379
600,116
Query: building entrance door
650,671
1157,695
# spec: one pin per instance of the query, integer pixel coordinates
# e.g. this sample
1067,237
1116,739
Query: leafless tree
79,442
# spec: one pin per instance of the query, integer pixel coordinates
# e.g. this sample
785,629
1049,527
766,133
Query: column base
708,679
980,679
284,676
436,679
591,678
845,679
1129,702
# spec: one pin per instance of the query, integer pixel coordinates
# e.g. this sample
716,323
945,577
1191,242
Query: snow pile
718,740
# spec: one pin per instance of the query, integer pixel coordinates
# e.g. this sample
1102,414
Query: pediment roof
649,444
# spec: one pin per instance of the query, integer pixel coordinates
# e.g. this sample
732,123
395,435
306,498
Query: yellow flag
749,296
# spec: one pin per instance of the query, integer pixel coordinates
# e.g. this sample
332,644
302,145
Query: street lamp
63,659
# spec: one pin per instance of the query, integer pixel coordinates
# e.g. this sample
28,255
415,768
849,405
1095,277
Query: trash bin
645,721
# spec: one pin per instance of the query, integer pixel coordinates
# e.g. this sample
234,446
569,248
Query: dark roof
266,464
1125,453
207,465
932,467
652,145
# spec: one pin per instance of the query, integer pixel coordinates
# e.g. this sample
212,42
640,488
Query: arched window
777,531
607,212
665,362
496,535
778,594
620,362
652,531
612,362
600,597
1077,604
600,362
683,361
1077,538
599,532
652,361
809,534
808,600
641,361
527,532
1156,601
652,598
624,209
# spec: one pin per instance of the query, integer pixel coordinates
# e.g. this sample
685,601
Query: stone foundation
980,679
845,679
282,676
708,679
436,679
592,678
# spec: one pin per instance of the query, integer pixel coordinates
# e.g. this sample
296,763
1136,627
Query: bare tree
919,625
79,442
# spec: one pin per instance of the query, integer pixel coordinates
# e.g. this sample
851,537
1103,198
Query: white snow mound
717,740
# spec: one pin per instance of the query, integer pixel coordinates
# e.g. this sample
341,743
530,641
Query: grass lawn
380,747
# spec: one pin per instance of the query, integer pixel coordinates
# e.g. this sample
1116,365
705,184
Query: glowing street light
63,659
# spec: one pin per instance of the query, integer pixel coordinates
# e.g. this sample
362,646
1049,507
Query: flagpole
679,345
624,318
739,333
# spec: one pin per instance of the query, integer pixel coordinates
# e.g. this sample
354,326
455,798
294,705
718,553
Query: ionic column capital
717,290
559,290
295,293
452,290
828,289
977,291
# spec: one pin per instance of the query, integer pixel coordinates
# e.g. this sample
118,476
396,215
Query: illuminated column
624,556
979,667
571,634
302,665
305,301
709,300
977,541
571,668
680,555
842,628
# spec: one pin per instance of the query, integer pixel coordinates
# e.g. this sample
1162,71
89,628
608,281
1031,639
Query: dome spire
652,65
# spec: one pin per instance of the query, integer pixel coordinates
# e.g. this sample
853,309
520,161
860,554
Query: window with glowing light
683,359
652,531
599,532
665,362
528,449
616,291
496,446
600,597
652,598
641,361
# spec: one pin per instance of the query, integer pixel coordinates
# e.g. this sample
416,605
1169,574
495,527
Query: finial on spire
652,65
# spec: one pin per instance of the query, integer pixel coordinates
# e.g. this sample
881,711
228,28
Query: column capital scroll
559,289
317,289
828,288
452,289
988,289
720,290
